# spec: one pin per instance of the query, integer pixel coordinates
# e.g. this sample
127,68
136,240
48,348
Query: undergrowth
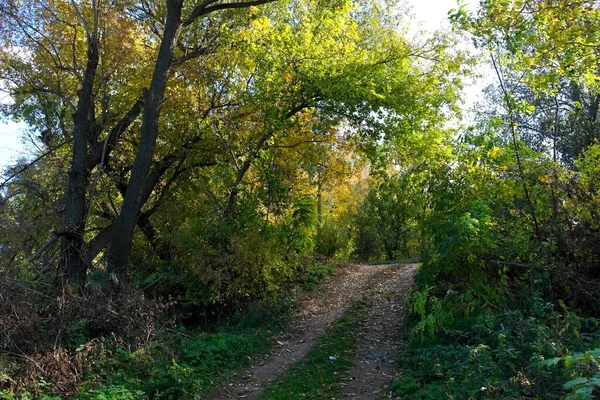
315,273
168,362
187,363
526,349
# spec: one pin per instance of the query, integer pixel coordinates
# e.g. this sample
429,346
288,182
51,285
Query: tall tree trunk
319,203
72,264
120,246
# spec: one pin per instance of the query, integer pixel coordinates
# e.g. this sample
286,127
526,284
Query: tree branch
200,51
111,139
208,6
26,167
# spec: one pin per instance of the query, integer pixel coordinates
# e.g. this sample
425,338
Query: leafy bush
493,353
386,221
186,364
332,239
222,262
316,272
503,296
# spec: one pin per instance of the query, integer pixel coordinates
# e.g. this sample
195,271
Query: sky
429,15
11,147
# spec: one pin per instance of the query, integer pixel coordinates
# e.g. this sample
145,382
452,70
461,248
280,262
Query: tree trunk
319,203
72,264
120,246
162,249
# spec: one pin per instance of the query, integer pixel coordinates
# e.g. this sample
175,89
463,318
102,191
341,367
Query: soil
378,340
317,310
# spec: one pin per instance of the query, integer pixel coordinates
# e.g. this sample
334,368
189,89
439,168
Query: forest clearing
289,199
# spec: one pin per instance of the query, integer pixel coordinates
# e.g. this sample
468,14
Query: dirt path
373,365
315,313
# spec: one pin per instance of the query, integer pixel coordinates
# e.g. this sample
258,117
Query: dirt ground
373,366
384,286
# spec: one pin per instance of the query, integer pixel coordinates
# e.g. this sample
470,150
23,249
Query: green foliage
187,363
385,224
317,272
548,41
495,353
584,370
332,240
431,314
112,393
498,307
8,395
230,263
77,333
165,363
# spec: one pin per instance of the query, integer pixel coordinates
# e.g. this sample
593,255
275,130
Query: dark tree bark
120,246
72,265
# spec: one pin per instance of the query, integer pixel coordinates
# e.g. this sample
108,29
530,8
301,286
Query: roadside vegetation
158,356
198,162
507,305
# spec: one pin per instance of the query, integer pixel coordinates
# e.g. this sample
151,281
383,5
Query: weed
497,352
317,272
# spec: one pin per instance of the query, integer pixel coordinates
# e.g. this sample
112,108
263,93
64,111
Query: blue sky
11,147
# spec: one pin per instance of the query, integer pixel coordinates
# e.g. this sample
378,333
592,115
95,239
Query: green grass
186,363
189,363
316,273
319,374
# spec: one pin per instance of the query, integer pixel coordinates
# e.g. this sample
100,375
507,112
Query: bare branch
208,6
53,239
26,167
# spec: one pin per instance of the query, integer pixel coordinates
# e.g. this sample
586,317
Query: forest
201,165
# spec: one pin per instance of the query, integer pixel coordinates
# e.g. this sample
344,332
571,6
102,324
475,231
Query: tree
204,98
546,53
87,150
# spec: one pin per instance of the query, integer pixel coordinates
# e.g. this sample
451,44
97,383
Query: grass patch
316,272
190,363
187,363
319,374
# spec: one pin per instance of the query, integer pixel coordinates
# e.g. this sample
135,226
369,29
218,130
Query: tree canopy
223,106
